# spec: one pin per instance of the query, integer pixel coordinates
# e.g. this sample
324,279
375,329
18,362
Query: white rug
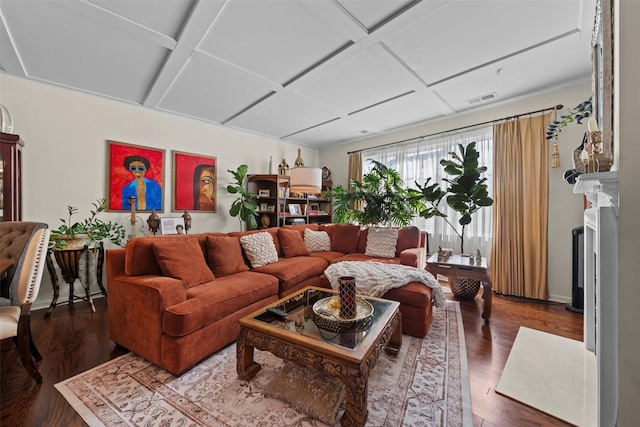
426,384
553,374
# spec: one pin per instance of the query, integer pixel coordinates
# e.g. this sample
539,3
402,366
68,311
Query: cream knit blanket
376,278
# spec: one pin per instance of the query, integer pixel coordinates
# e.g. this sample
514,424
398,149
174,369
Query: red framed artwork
135,171
194,182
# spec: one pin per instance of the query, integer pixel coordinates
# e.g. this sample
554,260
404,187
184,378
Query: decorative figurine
187,221
154,222
283,169
478,257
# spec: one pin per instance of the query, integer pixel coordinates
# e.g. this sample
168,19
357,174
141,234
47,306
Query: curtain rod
557,107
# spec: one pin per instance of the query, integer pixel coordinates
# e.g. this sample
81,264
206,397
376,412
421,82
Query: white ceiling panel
275,39
335,132
164,16
213,92
57,45
464,34
536,70
403,111
315,72
302,113
373,12
355,84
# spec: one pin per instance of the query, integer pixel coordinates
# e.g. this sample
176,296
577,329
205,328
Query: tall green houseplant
243,207
466,193
379,199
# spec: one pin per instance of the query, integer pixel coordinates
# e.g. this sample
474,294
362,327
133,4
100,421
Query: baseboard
560,298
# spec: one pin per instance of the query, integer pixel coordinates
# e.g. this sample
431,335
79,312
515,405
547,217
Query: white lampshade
306,180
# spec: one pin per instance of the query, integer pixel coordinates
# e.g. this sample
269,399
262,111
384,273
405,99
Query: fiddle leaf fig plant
466,193
243,207
94,229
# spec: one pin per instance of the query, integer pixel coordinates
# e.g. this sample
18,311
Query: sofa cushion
408,237
259,248
382,242
273,231
292,243
330,256
357,256
292,271
140,260
301,227
345,238
317,241
182,259
213,301
362,239
224,255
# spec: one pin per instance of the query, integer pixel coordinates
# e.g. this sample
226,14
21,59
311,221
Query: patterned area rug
426,384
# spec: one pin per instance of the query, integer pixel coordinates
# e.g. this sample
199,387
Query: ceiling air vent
482,98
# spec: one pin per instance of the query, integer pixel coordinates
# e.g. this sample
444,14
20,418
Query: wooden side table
459,266
69,263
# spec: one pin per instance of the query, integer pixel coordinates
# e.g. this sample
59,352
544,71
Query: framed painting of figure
135,174
194,182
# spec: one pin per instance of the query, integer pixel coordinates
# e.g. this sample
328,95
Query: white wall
627,154
65,156
565,208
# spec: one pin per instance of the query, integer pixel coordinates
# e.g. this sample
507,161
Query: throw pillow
381,242
292,243
224,255
317,241
182,258
345,238
259,248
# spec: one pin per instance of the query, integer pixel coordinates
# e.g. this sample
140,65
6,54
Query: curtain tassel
555,156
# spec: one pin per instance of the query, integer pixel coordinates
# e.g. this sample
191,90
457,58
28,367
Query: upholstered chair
15,320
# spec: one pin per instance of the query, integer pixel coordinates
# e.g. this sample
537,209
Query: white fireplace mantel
600,188
601,286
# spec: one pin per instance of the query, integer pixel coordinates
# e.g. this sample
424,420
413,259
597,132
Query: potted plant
466,193
90,231
579,113
382,196
243,207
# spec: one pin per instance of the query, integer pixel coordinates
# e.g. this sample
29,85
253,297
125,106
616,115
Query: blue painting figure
147,192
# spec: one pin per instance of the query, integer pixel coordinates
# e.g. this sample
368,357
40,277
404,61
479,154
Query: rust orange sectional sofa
176,299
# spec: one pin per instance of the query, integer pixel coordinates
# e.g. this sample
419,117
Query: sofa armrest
139,301
413,257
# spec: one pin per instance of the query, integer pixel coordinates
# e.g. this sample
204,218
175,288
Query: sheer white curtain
417,161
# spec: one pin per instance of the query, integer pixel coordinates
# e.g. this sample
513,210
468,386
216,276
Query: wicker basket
464,288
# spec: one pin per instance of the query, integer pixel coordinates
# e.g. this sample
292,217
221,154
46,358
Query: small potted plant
90,231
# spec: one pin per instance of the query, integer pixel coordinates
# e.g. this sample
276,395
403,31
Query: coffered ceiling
314,72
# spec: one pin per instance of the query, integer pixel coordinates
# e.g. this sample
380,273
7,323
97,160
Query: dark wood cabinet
10,177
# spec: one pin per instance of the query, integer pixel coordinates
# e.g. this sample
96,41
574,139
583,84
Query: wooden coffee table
347,356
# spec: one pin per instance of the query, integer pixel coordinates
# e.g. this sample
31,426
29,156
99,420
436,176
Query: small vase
299,162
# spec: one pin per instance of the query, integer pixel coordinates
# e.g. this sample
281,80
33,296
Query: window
419,160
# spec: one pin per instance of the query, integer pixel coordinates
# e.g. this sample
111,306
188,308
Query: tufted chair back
14,241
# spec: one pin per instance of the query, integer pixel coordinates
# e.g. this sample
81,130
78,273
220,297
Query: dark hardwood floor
74,340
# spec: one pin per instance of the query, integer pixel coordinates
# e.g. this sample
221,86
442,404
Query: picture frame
194,182
314,206
172,226
264,193
294,209
264,207
127,165
271,208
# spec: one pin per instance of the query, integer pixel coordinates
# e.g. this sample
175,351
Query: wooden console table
458,266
